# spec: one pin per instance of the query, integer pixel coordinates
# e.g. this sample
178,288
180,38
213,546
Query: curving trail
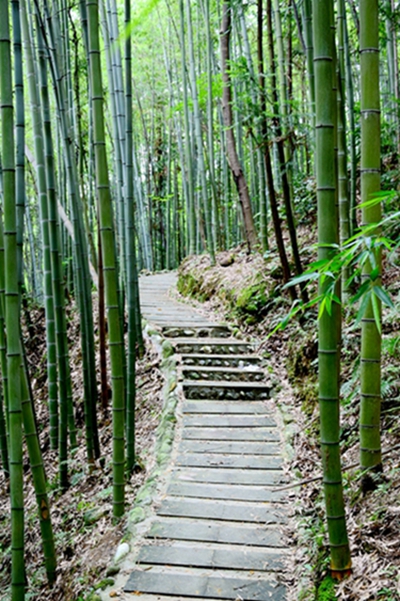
217,532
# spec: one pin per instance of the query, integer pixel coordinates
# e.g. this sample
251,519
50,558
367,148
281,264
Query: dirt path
216,533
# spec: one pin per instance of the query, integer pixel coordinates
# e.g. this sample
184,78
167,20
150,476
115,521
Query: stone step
221,420
249,373
264,434
223,510
227,391
235,533
211,346
211,555
207,584
228,447
205,329
250,462
222,475
226,407
219,360
231,492
182,321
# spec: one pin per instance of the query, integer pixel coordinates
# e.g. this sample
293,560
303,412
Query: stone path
217,532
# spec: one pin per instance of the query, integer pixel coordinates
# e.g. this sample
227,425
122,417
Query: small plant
358,256
326,590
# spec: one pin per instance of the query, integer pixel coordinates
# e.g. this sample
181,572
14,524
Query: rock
172,332
112,570
122,550
137,515
94,515
227,260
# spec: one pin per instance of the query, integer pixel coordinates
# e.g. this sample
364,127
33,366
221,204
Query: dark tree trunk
267,156
233,159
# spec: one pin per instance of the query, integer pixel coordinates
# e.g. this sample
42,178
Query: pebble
122,550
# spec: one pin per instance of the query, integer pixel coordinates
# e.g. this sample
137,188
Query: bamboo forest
199,300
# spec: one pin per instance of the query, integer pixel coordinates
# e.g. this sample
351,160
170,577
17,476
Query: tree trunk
234,163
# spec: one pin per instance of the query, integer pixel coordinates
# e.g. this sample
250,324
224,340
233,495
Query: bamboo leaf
361,292
376,312
363,306
322,307
377,198
383,296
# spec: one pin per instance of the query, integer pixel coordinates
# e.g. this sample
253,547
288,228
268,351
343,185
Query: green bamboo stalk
12,310
329,323
118,122
283,101
110,272
262,196
63,371
308,38
39,479
44,223
392,63
210,121
209,225
4,440
19,134
352,126
343,188
191,233
370,441
131,256
82,283
282,159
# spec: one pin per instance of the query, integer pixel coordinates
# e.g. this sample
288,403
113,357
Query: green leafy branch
358,256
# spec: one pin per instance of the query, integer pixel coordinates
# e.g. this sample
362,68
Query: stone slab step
217,509
226,407
248,434
249,373
182,321
215,447
248,586
216,420
232,492
211,346
211,555
173,312
212,389
219,360
251,462
235,533
222,475
201,330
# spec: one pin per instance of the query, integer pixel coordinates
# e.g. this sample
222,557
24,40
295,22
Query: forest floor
243,291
